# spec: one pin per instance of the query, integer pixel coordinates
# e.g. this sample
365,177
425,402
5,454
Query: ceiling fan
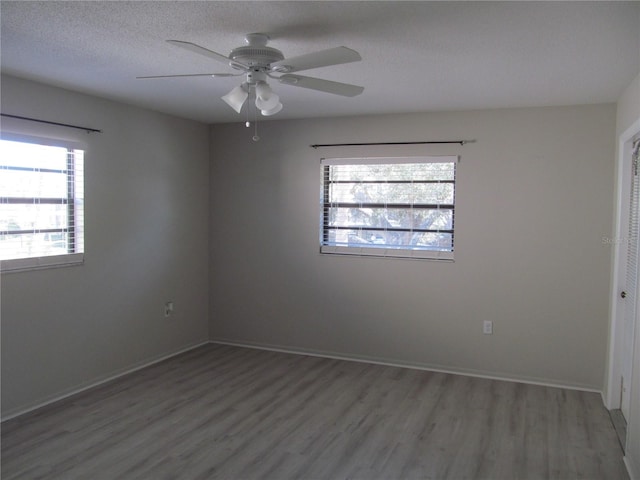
257,62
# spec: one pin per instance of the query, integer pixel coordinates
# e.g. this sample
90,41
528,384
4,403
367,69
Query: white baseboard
296,351
396,363
99,381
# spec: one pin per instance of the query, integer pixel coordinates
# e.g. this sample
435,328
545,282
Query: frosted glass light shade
272,111
236,98
267,103
263,90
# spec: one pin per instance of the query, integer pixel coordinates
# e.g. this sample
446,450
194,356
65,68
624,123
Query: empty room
320,240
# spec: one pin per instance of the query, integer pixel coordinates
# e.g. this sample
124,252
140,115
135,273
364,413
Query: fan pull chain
255,137
248,123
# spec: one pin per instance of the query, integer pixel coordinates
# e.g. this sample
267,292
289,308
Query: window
41,203
392,207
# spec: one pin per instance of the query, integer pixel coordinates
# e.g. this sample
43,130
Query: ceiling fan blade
201,50
337,88
195,75
323,58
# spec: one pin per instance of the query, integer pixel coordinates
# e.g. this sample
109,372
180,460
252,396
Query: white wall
146,182
534,201
628,113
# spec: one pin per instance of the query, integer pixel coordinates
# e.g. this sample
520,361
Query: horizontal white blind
394,207
41,203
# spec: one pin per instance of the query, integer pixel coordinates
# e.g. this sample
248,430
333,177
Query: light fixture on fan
265,99
258,62
236,97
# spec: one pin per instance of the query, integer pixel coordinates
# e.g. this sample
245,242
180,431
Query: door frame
616,334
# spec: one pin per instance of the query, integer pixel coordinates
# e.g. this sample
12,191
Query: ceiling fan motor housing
256,56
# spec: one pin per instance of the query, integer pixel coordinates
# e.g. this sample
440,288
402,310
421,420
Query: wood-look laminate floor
237,413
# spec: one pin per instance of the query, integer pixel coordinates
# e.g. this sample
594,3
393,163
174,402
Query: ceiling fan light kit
258,62
272,111
236,97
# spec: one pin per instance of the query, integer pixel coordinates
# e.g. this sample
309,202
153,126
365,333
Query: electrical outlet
168,308
487,327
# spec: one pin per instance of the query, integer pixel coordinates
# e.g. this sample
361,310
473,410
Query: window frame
73,256
362,250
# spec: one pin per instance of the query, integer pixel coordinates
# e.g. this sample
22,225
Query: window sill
386,253
41,263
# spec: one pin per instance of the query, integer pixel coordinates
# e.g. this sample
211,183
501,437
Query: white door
630,292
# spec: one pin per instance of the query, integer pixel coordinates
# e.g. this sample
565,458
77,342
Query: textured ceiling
417,56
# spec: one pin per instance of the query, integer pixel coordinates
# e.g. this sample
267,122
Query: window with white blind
391,207
41,203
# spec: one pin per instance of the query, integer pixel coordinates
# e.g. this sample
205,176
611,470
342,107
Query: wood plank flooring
237,413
